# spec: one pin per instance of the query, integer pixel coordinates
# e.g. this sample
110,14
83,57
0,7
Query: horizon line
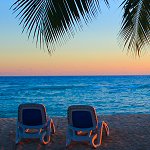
73,75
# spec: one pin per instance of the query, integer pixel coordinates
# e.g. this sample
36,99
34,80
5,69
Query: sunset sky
93,51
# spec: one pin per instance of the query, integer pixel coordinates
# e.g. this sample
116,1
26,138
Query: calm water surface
108,94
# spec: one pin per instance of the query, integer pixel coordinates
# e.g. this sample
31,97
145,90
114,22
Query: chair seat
31,131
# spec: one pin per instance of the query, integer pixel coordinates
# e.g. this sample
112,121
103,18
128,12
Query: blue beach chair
83,125
33,123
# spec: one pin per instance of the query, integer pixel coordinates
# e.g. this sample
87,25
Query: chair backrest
32,114
82,116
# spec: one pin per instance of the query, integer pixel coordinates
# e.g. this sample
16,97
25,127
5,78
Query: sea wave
146,86
56,87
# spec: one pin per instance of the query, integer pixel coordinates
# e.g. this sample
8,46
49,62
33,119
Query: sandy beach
127,132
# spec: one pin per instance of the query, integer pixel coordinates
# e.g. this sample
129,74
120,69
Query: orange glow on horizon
63,63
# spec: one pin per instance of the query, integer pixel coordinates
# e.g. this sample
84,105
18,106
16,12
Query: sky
93,51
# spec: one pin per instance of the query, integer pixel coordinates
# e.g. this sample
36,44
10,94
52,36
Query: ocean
108,94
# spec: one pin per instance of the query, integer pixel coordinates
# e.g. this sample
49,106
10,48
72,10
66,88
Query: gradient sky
94,51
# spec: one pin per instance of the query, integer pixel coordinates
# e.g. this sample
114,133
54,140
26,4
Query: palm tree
135,30
52,22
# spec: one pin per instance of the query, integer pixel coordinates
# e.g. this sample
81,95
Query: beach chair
83,125
33,123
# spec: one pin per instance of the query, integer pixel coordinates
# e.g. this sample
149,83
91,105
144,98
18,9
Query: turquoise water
108,94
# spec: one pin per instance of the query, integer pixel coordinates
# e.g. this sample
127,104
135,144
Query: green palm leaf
135,30
54,21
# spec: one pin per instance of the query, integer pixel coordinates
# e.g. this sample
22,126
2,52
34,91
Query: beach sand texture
127,132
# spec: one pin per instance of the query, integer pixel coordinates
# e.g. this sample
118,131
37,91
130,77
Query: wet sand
127,132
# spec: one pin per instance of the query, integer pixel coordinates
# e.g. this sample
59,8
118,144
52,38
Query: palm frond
135,30
53,22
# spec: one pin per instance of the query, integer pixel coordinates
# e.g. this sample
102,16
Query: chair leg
17,135
17,138
106,128
52,126
100,133
50,129
68,139
45,138
92,141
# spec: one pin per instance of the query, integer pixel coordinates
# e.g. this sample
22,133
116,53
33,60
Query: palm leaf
52,22
135,30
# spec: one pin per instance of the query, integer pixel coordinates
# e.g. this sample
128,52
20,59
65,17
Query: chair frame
42,131
94,134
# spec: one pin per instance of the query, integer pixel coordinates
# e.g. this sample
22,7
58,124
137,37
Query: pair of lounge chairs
83,124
